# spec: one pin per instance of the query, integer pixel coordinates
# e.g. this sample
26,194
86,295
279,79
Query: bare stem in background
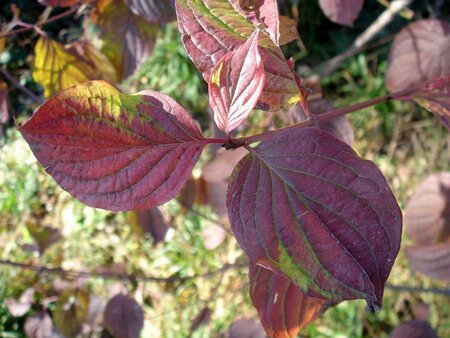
381,22
18,85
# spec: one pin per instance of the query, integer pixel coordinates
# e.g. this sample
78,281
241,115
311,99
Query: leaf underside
115,151
305,205
343,12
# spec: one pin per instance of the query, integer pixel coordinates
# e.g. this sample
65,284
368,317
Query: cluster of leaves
318,223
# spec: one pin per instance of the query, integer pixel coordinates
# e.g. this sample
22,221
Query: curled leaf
420,52
115,151
236,84
303,204
283,308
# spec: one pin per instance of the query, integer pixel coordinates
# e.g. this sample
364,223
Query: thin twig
42,269
52,19
381,22
18,85
413,289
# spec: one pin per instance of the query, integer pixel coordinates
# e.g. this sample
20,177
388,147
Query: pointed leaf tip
303,204
236,83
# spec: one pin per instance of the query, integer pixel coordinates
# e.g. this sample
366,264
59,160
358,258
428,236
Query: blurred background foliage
405,141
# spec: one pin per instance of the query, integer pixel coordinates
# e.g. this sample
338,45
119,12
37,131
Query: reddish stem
30,27
320,118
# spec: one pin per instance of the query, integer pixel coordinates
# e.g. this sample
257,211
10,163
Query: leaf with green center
283,308
115,151
212,28
127,38
236,84
420,52
435,97
303,204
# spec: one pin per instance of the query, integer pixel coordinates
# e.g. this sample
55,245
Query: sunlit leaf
213,236
236,84
57,67
420,52
115,151
427,214
19,307
305,205
431,260
288,30
414,329
123,317
282,307
39,325
71,311
435,97
127,38
154,11
211,28
343,12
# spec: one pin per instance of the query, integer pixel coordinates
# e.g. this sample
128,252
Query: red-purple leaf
212,28
150,222
261,13
305,205
39,326
154,11
115,151
123,317
343,12
414,329
420,52
246,328
435,97
427,214
236,84
432,260
4,114
127,38
283,309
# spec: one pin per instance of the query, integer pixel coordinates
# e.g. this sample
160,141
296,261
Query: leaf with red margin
420,52
343,12
128,39
305,205
236,84
212,28
431,260
284,310
115,151
154,11
435,97
427,214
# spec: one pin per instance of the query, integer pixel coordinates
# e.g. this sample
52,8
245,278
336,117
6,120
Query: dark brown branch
42,269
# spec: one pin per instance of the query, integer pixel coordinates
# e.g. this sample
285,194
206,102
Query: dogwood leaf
212,28
283,308
236,84
343,12
420,52
303,204
115,151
